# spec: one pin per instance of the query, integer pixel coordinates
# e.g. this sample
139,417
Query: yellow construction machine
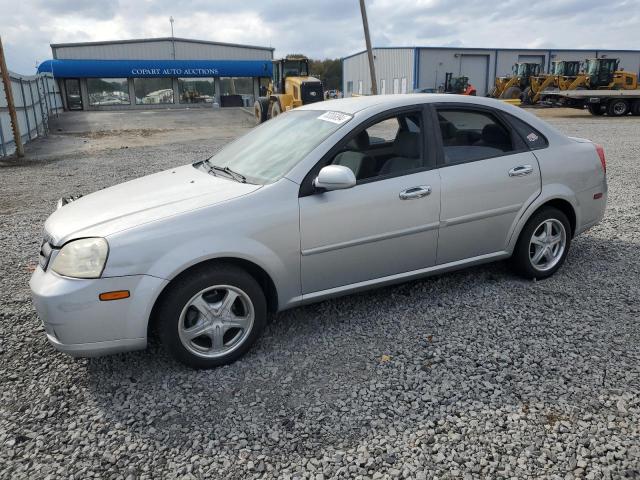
289,87
512,86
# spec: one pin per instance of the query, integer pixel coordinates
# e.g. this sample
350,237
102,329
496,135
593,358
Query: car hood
140,201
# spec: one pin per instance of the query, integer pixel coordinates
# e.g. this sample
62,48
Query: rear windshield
269,151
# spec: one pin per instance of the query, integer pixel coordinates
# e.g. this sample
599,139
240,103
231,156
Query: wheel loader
290,86
512,86
563,74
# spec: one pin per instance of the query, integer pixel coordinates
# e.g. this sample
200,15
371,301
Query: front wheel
543,244
211,316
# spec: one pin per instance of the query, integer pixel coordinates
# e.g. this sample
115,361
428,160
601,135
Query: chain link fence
36,98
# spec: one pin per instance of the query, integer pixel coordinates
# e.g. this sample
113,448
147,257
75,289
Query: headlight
84,258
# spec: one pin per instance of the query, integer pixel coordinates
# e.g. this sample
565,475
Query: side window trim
428,152
517,143
508,118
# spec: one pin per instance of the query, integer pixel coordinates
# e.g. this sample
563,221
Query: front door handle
415,192
520,171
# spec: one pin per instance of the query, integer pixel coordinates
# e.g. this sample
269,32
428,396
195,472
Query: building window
108,91
383,86
150,91
238,89
404,85
349,87
196,90
396,85
359,87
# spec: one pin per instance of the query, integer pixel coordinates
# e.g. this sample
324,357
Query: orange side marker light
117,295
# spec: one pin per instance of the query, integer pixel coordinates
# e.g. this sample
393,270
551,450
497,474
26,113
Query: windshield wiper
230,173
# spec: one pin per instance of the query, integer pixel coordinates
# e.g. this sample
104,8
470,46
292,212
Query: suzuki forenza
327,199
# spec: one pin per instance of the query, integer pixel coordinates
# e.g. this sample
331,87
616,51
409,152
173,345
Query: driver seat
355,158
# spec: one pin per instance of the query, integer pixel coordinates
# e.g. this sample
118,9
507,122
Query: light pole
173,43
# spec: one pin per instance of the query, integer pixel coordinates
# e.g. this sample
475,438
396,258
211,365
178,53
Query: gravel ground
475,374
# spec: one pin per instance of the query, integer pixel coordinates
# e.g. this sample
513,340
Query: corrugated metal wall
160,50
394,66
35,98
433,63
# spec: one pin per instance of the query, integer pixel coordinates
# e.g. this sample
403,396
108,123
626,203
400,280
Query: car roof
354,105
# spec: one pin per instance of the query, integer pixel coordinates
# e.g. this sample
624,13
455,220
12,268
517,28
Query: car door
387,223
488,177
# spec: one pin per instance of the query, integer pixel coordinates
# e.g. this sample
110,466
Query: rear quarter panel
572,171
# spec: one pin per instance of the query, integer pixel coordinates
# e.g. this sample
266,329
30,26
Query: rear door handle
415,192
520,171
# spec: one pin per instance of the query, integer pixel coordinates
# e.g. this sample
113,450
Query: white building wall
434,63
393,66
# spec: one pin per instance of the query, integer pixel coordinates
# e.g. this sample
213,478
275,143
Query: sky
324,29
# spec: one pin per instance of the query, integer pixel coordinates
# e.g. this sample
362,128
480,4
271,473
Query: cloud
331,28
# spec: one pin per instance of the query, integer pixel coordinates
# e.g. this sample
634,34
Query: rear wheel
543,244
527,96
212,316
618,108
596,109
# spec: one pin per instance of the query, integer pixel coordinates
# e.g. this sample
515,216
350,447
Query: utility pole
367,39
6,81
173,42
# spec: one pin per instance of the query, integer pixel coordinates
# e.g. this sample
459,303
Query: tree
329,71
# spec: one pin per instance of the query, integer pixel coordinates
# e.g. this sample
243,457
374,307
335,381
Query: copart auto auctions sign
174,71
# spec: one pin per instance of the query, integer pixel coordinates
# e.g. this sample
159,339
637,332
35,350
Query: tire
527,249
635,108
260,108
617,108
527,96
512,93
596,109
275,109
211,299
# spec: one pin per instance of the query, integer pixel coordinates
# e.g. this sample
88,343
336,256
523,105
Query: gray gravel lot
475,374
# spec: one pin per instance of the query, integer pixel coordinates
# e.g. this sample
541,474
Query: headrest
448,129
408,144
495,135
359,142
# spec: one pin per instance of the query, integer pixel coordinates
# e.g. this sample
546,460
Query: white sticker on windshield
334,117
532,137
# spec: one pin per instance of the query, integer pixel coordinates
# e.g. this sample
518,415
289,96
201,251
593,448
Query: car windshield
269,151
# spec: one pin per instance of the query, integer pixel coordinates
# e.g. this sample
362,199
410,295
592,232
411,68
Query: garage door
475,67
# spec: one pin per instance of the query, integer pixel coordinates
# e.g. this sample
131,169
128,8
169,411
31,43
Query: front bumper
79,324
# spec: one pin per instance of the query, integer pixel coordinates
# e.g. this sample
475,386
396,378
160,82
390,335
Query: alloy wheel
547,244
216,321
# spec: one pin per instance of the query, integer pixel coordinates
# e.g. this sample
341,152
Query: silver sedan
327,199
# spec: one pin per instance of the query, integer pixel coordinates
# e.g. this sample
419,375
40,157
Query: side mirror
335,177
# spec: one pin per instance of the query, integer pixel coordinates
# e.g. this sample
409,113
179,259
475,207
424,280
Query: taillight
603,160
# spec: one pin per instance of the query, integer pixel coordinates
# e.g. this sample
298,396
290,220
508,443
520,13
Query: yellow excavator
510,87
568,73
290,86
604,74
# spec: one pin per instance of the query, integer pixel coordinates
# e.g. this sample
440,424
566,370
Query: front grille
311,92
44,255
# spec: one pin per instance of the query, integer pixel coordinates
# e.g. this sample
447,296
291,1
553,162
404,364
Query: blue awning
156,68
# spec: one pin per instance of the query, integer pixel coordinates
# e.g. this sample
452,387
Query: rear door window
470,135
532,137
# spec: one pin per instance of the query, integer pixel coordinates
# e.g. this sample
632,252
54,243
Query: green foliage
329,71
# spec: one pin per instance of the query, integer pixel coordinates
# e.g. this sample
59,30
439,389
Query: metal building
405,69
157,73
